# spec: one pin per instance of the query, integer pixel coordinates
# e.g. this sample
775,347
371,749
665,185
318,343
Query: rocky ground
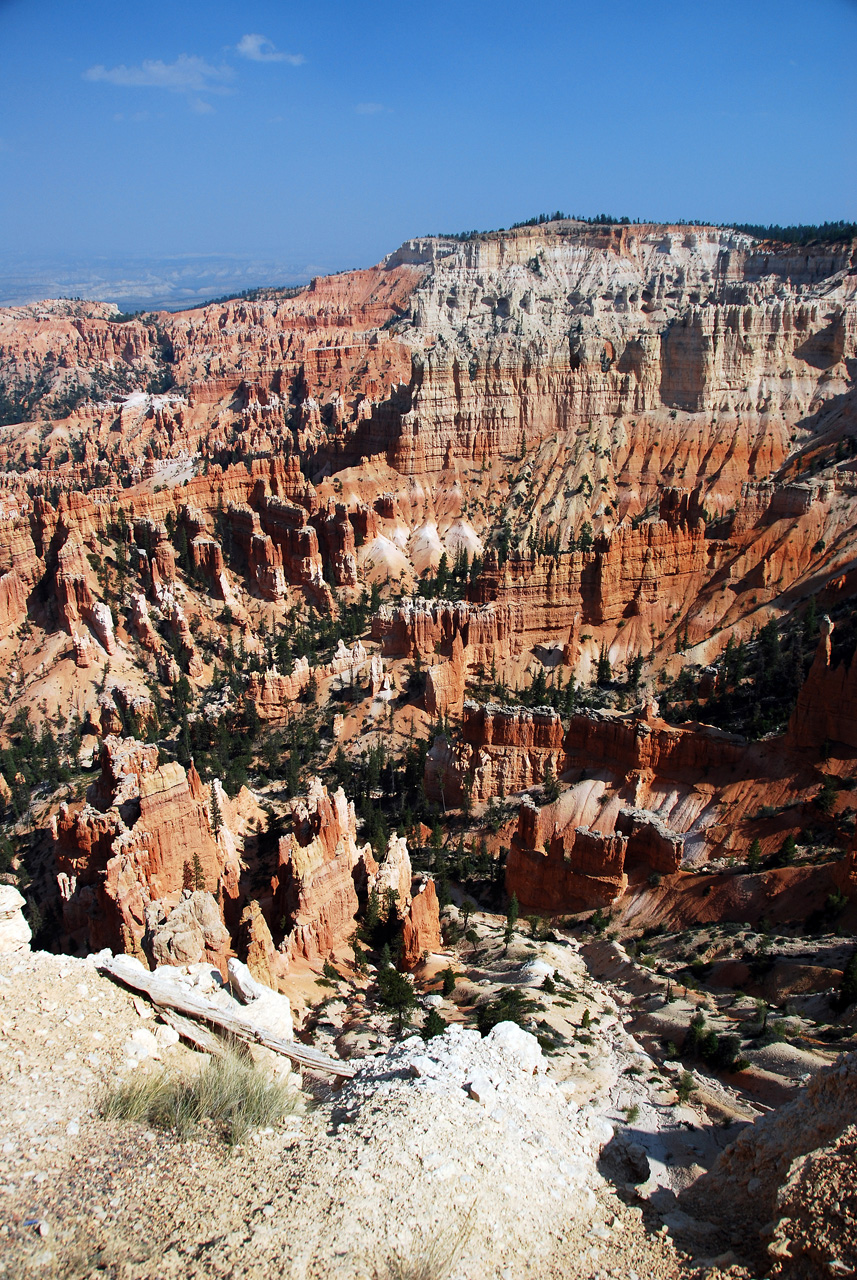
453,1152
573,1149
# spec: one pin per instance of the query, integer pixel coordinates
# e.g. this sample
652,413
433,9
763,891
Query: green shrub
599,921
720,1052
434,1025
511,1005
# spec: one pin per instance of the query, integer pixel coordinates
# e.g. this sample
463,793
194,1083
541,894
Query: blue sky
327,133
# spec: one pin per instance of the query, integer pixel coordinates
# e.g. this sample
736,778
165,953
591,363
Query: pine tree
538,688
293,778
569,696
216,815
396,994
434,1025
788,852
467,798
826,798
341,767
550,786
183,554
372,918
182,694
754,855
442,574
198,873
391,897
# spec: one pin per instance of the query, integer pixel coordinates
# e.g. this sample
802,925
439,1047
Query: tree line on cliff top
800,233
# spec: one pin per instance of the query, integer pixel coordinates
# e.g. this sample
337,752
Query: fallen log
130,972
199,1037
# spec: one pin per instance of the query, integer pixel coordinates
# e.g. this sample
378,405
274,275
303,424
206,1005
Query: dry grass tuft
430,1259
230,1091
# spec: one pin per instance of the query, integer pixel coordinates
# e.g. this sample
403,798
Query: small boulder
194,931
266,1009
15,933
480,1088
519,1045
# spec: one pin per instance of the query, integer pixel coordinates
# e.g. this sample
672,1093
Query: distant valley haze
163,154
147,284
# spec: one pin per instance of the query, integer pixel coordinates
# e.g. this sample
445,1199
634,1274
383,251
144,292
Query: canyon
525,460
514,574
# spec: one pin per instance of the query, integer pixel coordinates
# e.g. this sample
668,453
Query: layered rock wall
649,570
142,837
320,866
429,627
554,871
826,710
502,750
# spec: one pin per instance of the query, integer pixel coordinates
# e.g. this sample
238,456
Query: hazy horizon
302,141
170,283
175,282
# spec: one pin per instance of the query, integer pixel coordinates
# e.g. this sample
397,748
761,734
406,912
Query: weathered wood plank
200,1037
165,995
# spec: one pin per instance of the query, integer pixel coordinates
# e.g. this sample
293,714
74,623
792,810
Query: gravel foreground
456,1158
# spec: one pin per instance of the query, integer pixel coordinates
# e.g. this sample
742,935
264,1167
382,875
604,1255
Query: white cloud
260,49
185,75
369,108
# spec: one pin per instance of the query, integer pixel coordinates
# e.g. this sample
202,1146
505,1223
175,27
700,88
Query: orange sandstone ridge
638,439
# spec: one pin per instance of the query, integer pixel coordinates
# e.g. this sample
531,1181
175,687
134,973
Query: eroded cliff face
639,797
542,380
555,869
141,869
502,750
826,710
626,444
323,874
320,868
143,836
